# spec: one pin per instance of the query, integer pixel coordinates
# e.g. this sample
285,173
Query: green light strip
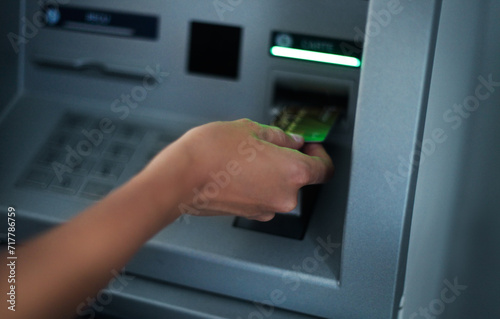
315,56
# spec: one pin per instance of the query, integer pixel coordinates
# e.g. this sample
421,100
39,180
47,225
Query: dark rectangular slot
298,93
291,225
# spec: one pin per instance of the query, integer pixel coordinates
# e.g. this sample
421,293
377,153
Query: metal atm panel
351,259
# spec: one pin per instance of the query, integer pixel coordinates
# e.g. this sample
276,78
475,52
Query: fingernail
297,138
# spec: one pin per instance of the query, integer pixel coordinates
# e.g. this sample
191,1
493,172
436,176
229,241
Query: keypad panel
86,156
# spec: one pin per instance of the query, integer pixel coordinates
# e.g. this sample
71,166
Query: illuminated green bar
315,56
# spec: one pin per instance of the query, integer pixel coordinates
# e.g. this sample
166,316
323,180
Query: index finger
277,136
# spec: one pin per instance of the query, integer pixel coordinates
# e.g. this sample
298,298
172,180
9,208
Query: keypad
81,157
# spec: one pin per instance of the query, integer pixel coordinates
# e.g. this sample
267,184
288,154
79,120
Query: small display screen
215,50
100,21
315,49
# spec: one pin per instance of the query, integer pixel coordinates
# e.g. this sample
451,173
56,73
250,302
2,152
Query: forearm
61,269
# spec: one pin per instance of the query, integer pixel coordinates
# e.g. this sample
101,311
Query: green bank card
312,123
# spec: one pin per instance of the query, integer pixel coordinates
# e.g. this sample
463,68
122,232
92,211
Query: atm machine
156,68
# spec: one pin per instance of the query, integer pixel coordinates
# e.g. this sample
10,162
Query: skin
58,270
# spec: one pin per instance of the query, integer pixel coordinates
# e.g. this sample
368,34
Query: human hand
241,168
